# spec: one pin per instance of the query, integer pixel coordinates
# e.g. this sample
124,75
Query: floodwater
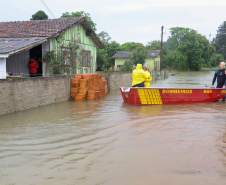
107,143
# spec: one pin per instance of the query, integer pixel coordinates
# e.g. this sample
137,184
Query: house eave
4,55
27,47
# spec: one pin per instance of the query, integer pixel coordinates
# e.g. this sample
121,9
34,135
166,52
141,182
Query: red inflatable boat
159,96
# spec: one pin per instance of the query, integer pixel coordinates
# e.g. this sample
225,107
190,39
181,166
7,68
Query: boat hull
159,96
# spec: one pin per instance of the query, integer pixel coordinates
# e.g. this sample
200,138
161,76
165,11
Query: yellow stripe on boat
207,91
150,96
223,91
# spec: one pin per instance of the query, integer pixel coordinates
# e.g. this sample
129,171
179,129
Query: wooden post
161,50
3,73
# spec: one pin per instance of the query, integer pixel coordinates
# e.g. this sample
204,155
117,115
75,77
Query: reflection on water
107,143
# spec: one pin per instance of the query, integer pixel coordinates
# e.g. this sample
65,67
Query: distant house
152,60
22,41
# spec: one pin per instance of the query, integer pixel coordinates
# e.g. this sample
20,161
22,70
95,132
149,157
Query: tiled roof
12,45
153,54
36,28
122,54
126,54
42,28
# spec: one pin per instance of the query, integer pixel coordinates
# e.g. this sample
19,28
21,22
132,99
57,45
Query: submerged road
107,143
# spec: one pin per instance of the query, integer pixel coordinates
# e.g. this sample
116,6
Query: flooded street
107,143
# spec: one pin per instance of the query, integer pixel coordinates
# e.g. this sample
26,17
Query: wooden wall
17,64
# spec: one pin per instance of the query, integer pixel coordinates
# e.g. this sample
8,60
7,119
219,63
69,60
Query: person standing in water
148,77
220,76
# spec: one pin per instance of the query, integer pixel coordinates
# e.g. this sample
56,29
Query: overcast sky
129,20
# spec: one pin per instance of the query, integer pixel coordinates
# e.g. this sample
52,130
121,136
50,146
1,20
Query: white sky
129,20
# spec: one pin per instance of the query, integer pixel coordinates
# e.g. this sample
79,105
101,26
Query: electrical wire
47,7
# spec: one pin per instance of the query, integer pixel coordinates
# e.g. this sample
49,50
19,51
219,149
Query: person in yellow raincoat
138,76
148,77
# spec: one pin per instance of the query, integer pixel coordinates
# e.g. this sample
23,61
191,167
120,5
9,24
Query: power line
48,9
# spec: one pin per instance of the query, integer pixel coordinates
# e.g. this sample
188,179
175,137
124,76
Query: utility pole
161,49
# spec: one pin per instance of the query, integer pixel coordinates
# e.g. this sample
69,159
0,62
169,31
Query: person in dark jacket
220,76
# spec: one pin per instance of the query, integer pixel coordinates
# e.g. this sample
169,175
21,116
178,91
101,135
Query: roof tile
41,28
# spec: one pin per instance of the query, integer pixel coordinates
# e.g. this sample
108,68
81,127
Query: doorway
36,53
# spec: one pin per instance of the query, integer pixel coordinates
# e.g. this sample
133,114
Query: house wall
22,94
150,63
2,68
77,34
17,64
118,79
153,63
119,62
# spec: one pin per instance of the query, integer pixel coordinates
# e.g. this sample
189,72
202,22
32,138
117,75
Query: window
119,67
86,58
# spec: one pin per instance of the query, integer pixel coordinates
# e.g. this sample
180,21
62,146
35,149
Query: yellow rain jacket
148,79
138,75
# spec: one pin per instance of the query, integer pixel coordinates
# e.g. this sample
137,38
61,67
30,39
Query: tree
220,40
188,50
128,46
138,56
176,60
39,15
102,60
216,58
104,37
90,23
104,56
154,45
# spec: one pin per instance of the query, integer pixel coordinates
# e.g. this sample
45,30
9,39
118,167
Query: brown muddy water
107,143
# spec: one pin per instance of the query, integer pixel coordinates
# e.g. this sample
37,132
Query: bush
127,67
